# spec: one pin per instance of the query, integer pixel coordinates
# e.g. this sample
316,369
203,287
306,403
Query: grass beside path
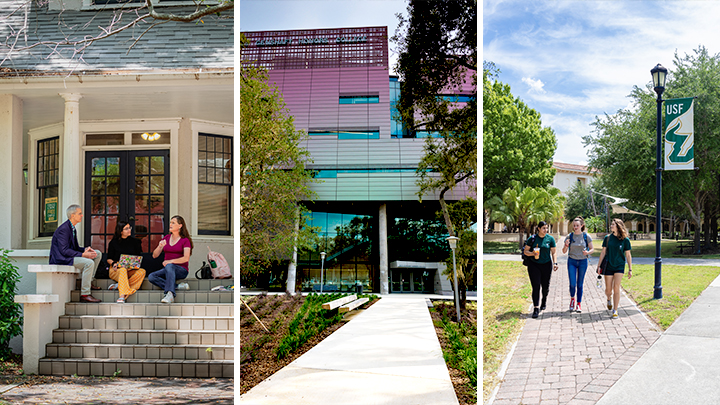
681,285
506,294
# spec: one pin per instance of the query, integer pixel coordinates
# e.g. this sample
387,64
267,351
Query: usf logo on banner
679,134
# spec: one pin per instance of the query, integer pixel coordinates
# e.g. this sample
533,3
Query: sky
280,15
573,61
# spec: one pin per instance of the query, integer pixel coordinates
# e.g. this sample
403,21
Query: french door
129,186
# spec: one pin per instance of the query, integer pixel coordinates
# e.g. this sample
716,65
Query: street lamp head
659,74
452,240
322,255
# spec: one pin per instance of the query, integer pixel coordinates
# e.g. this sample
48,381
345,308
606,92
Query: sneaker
113,286
615,315
609,305
168,299
536,312
577,308
572,303
543,305
183,286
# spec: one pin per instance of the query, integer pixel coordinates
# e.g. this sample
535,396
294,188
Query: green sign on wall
51,209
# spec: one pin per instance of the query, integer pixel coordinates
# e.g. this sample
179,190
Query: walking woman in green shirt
616,247
540,248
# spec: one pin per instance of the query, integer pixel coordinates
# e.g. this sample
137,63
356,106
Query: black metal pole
657,293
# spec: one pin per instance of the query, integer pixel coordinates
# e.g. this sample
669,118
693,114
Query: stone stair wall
193,337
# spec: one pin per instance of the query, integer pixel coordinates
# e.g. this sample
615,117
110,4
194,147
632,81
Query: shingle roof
572,167
166,47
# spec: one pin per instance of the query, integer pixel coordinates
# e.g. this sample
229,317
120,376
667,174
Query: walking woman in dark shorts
543,261
616,247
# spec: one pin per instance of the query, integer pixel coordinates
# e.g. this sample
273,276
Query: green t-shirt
616,251
545,244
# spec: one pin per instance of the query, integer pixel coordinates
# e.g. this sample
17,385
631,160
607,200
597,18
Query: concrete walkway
570,358
388,355
683,366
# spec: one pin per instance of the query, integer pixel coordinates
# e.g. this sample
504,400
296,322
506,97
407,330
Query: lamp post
659,74
452,240
322,269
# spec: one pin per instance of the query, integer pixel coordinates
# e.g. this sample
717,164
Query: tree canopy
622,145
437,61
272,176
515,145
525,207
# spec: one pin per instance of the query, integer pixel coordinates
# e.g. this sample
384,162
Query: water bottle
213,264
599,281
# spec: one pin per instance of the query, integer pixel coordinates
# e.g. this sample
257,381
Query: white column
634,225
71,160
384,264
11,174
292,267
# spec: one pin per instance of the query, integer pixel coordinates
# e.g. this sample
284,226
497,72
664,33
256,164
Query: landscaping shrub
309,321
10,318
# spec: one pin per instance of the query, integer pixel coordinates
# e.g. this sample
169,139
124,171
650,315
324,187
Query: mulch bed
264,362
460,381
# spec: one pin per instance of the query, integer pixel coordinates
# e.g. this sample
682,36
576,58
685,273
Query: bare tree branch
223,5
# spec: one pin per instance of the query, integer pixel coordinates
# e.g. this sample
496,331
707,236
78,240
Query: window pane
213,208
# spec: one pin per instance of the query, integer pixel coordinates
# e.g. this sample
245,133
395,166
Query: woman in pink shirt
177,247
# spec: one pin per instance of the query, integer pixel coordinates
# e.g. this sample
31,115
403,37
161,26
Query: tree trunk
707,224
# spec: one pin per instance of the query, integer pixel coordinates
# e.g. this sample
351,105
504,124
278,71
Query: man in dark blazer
65,250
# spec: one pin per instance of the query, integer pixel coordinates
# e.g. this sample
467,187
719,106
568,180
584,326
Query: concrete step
144,322
195,284
152,309
143,337
154,296
139,352
137,367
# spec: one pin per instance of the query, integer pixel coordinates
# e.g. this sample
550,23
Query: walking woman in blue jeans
579,244
177,246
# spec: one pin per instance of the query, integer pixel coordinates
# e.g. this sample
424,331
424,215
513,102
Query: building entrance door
127,186
411,281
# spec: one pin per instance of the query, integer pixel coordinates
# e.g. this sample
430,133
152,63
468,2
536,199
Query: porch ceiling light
154,137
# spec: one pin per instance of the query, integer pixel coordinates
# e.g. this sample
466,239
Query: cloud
535,85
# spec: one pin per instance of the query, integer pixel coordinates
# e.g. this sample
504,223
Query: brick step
195,284
150,309
154,296
137,368
139,352
144,322
143,337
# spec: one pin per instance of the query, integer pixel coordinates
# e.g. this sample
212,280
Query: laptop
130,261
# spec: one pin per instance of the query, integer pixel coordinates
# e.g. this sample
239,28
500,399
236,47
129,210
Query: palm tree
525,207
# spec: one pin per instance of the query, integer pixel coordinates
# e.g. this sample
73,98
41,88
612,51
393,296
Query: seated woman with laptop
124,258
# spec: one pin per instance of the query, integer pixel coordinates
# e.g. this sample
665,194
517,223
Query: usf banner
679,134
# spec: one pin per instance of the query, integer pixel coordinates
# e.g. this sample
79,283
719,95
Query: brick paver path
571,358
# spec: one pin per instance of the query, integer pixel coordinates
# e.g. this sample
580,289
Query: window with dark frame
48,162
214,184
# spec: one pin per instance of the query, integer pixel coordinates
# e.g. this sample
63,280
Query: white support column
384,264
11,174
292,267
634,225
71,160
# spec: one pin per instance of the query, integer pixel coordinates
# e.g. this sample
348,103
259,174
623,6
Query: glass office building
337,85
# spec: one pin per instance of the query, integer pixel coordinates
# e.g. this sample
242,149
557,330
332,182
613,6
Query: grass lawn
506,294
640,248
681,285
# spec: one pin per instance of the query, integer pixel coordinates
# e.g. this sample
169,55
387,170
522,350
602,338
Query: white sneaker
183,286
168,299
615,315
609,305
113,286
